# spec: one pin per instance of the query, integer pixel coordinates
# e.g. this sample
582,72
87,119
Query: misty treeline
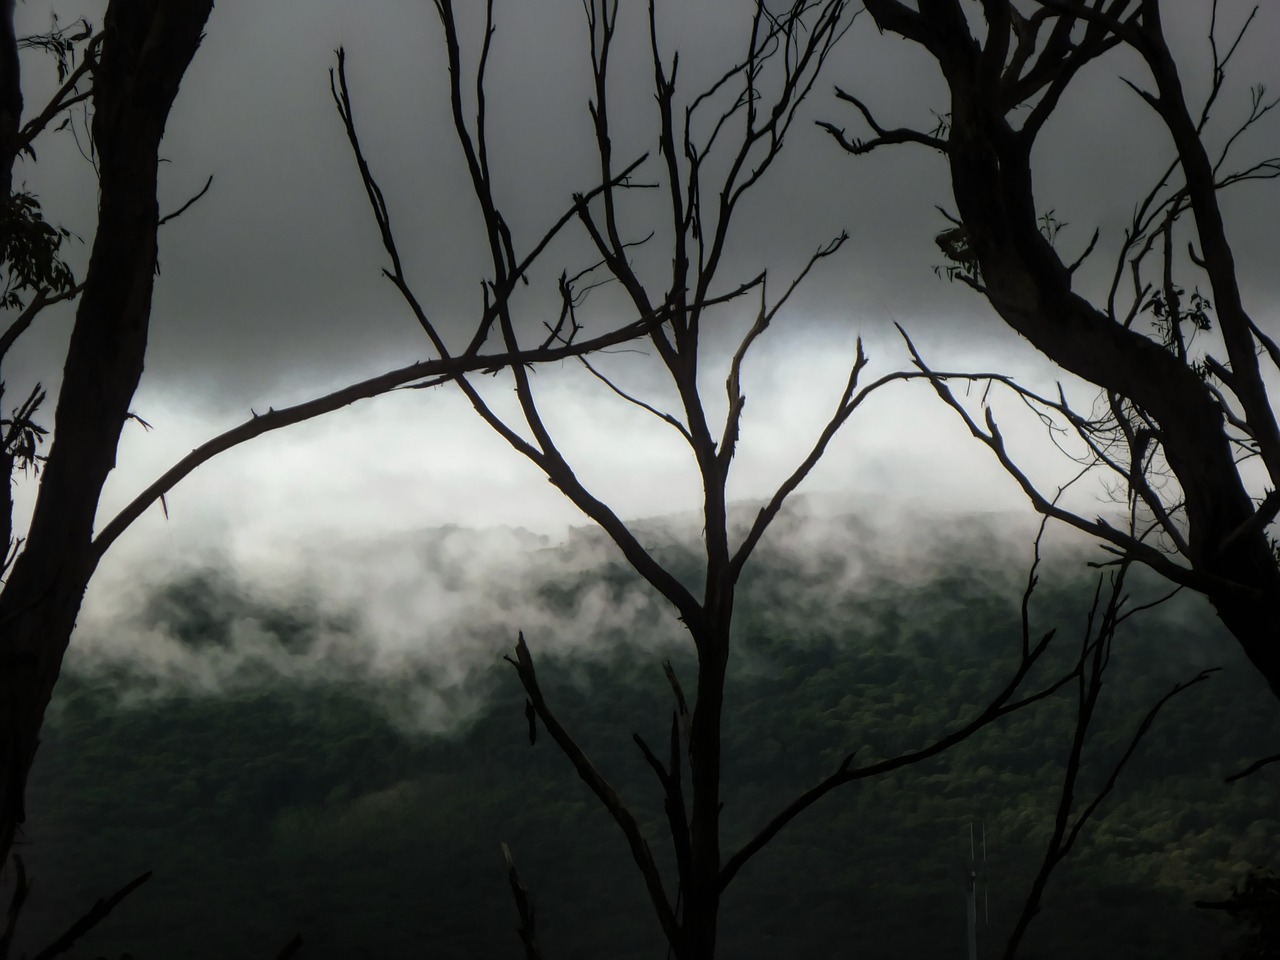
1183,403
302,791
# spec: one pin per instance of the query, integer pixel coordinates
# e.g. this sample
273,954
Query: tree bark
10,115
147,48
700,916
10,96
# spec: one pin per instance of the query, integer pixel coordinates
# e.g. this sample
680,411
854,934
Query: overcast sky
270,289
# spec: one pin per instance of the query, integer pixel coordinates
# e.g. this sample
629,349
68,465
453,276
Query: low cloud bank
421,618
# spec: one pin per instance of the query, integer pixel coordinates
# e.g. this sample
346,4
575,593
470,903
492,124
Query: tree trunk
10,105
702,886
147,47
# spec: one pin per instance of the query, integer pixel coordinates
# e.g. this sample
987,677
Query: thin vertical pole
986,887
971,889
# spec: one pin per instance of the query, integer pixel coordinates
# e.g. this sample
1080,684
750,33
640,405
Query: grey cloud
270,291
271,283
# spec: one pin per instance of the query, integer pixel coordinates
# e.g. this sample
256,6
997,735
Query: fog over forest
363,760
439,606
446,602
300,688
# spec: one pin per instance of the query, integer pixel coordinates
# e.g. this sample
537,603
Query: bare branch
43,298
1126,30
884,137
601,787
666,418
1253,768
844,409
96,914
1000,705
524,906
186,206
1095,655
1126,544
733,383
672,794
257,425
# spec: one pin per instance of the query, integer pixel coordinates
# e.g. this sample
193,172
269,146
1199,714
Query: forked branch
595,780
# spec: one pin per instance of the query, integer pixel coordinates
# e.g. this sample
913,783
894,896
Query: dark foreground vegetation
278,806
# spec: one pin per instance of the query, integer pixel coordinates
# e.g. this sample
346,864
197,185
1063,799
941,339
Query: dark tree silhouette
749,112
1176,419
128,76
144,53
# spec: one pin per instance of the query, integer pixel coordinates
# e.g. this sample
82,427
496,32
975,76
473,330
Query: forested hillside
269,805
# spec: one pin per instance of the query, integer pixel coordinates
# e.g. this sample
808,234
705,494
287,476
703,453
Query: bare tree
1177,421
127,76
714,146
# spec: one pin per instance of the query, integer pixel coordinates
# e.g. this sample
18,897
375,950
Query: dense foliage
281,806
